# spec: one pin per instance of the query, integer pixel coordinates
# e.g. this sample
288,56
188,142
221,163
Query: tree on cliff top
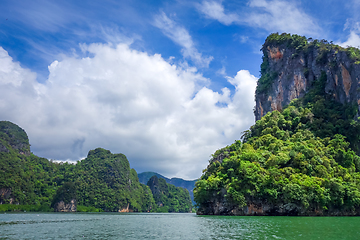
283,162
301,161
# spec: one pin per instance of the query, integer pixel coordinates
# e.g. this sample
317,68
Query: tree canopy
101,182
304,155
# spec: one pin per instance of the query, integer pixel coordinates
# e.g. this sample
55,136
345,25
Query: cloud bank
160,115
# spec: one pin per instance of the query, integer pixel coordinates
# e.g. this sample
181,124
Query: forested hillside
25,178
177,182
169,198
101,182
300,160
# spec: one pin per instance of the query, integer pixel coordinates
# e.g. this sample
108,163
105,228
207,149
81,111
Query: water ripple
173,226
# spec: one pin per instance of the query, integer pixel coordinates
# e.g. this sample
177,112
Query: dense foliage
105,180
178,182
101,182
169,198
14,136
27,179
65,193
328,117
281,162
306,155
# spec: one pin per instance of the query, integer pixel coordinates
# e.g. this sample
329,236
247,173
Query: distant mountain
178,182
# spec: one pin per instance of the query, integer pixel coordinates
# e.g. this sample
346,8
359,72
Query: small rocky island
301,157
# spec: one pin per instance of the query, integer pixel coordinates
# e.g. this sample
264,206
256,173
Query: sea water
172,226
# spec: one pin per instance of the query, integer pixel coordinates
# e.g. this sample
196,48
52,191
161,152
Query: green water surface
172,226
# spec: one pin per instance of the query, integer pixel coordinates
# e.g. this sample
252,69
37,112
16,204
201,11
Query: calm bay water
172,226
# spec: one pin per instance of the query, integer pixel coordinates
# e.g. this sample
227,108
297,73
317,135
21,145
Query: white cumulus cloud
215,10
352,41
160,115
353,37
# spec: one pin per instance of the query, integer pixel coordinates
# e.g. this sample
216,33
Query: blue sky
164,82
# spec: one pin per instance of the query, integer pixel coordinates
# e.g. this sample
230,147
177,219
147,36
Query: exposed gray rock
65,207
295,72
220,206
5,194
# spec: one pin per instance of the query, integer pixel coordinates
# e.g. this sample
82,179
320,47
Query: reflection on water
173,226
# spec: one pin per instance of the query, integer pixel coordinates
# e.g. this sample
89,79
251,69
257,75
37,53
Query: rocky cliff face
291,65
65,198
288,154
65,207
5,194
218,205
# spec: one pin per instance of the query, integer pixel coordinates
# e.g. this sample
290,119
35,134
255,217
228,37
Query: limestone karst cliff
291,64
301,157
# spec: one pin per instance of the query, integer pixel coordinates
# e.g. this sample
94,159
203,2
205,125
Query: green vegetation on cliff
178,182
282,162
16,137
24,178
105,180
300,161
101,182
330,117
304,45
65,193
169,198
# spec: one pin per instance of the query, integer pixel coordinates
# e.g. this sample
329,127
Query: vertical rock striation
65,207
291,64
294,161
